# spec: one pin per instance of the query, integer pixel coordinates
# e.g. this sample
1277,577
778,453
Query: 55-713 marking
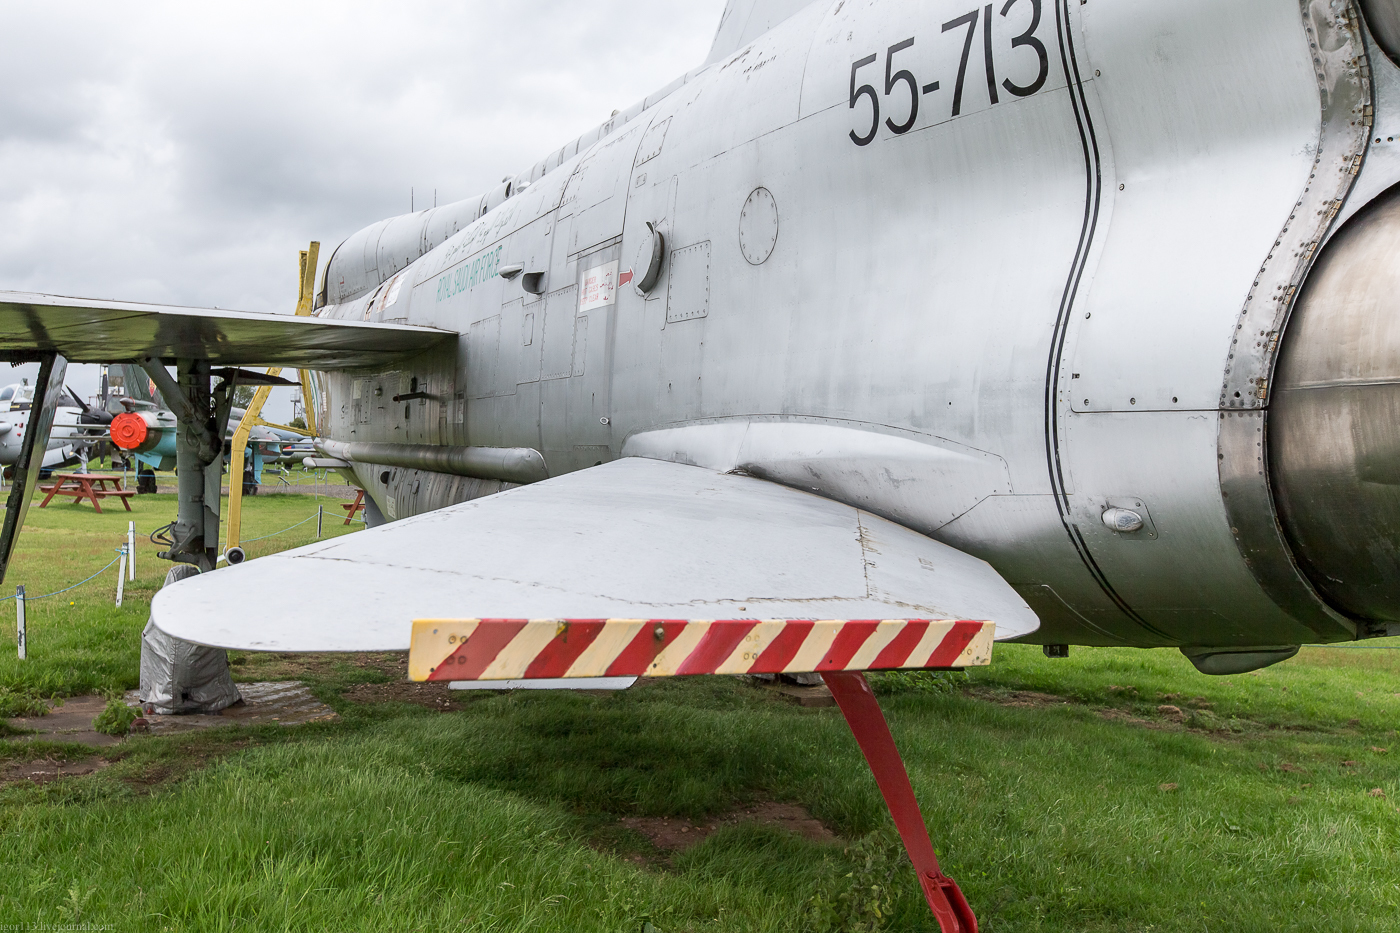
904,82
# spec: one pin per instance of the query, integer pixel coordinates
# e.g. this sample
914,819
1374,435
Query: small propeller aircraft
891,330
77,428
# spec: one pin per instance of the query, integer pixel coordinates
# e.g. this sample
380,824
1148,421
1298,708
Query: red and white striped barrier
511,649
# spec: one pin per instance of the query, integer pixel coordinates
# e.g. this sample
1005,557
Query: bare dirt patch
434,696
68,721
44,770
1020,699
676,834
1127,718
1194,715
1173,713
286,703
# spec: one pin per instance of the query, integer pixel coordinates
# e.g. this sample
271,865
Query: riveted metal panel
688,295
557,355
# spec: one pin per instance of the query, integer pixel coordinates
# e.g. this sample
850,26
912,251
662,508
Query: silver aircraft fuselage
990,271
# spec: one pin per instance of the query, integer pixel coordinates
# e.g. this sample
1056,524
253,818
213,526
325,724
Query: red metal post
862,712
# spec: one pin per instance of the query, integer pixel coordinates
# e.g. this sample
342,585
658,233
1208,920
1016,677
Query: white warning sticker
599,287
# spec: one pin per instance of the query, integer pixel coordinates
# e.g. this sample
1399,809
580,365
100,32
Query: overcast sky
183,154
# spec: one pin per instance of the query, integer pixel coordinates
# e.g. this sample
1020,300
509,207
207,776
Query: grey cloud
182,153
171,153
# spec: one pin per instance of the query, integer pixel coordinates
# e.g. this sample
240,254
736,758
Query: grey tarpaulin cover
180,677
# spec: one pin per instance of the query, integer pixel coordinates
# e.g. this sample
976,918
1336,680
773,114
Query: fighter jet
890,328
146,430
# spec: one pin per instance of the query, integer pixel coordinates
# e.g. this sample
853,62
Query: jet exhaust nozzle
1334,422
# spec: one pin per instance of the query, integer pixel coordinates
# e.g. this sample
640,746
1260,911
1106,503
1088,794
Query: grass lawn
1116,790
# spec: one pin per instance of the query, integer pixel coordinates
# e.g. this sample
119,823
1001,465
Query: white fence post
19,619
131,550
121,576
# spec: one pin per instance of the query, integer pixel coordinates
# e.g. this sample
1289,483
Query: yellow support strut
305,290
308,409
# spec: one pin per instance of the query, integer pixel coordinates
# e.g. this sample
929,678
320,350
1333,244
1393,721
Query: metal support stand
862,712
121,576
193,537
178,676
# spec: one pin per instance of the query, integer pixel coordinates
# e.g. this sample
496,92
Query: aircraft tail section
745,20
132,382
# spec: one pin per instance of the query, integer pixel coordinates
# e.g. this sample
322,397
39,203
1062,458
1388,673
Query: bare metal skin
1001,311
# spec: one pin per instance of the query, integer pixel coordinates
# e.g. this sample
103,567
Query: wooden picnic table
92,486
355,506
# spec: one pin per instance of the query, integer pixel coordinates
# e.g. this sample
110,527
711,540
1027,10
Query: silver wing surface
633,538
90,331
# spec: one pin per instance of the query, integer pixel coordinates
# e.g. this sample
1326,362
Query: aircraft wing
89,331
631,539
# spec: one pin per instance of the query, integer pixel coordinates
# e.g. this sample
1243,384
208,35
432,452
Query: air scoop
1334,424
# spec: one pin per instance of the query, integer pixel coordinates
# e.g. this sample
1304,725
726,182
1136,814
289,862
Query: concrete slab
287,703
811,697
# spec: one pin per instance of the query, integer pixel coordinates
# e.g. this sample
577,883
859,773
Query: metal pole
131,550
198,458
19,620
121,576
189,473
872,733
305,295
320,512
236,460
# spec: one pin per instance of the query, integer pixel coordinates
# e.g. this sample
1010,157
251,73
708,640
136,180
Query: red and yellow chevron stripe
511,649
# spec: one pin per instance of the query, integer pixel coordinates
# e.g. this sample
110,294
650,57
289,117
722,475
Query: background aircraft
78,428
142,426
888,312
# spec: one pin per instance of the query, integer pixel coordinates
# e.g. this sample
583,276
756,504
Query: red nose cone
128,430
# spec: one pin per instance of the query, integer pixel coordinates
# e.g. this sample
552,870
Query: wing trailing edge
632,539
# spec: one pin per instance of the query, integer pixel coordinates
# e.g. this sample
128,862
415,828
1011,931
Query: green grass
78,641
1041,781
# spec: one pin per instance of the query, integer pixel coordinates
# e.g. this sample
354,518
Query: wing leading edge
632,539
90,331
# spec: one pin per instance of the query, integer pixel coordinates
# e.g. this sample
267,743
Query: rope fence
283,531
125,553
75,585
114,560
